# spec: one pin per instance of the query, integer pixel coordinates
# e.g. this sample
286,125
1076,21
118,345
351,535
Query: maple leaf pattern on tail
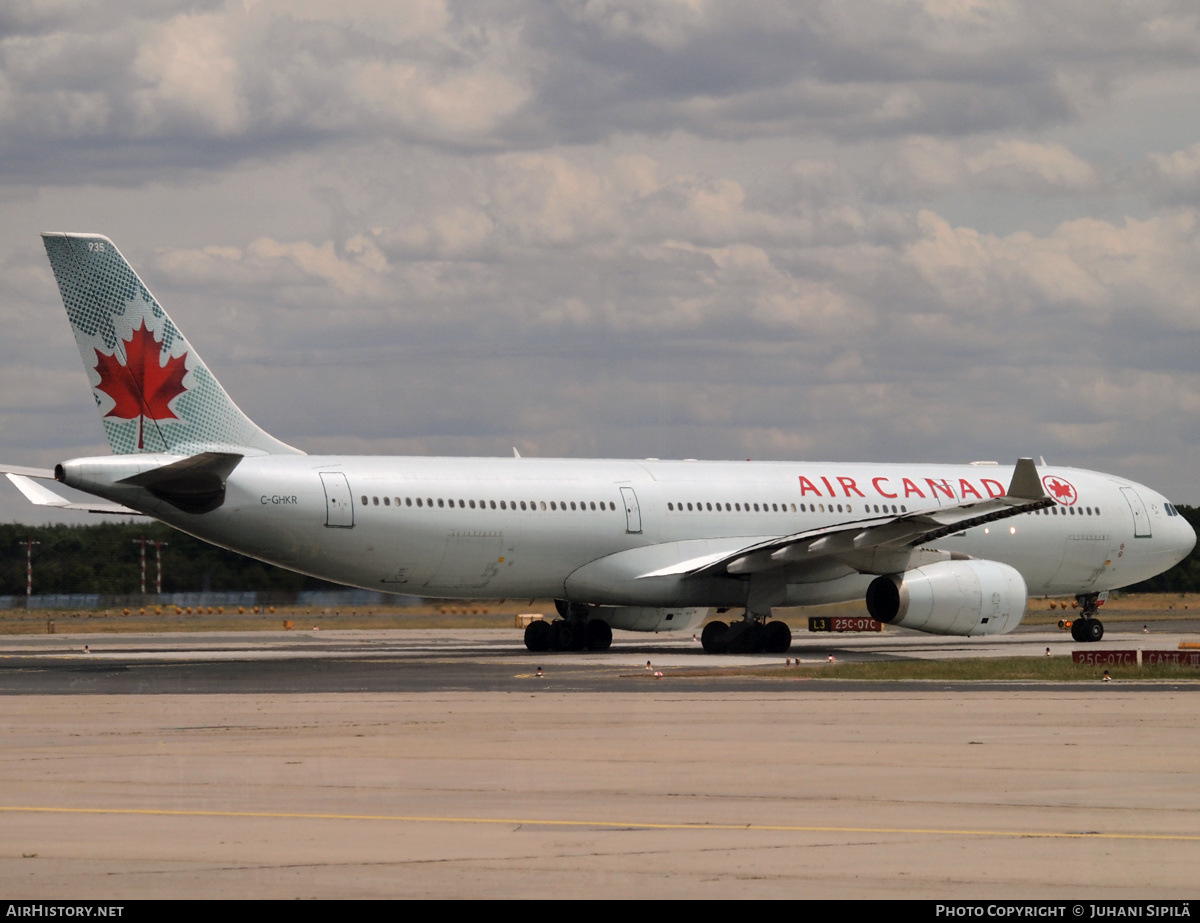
142,386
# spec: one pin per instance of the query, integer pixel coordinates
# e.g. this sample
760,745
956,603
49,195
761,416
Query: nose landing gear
1087,627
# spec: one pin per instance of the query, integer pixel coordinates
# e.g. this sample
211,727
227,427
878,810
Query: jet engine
951,598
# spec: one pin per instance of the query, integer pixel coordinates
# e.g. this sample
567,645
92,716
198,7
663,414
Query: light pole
158,547
142,541
29,543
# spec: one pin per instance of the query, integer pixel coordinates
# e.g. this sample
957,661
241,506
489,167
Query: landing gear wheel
743,638
567,636
777,638
1093,630
1077,631
538,636
598,635
711,636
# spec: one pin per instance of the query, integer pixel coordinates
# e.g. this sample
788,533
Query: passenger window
364,499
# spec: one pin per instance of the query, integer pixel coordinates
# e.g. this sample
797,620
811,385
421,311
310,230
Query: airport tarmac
470,660
436,764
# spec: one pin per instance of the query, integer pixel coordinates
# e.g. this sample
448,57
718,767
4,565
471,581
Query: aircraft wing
43,496
883,544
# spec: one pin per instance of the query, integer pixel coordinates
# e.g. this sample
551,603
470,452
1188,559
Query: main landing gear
749,636
573,632
568,635
1087,627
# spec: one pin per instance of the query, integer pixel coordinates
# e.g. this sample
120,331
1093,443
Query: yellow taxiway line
606,824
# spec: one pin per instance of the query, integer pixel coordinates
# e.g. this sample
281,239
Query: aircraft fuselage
591,530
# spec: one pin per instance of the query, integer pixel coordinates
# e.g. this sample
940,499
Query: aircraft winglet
1026,484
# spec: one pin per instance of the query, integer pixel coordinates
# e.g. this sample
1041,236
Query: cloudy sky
882,231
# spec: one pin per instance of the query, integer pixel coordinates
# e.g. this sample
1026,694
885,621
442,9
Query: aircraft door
1141,521
339,504
633,513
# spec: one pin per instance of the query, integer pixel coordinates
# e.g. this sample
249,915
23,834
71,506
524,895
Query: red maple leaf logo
1063,491
143,386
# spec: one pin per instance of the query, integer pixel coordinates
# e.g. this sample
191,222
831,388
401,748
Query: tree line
106,558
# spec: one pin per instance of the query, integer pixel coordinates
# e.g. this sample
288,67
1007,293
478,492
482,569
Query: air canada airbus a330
638,545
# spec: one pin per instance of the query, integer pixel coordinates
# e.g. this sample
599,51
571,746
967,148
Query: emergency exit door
633,513
339,505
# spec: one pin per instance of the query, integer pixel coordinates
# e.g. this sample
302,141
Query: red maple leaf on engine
142,386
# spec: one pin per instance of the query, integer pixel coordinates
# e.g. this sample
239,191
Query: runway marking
607,824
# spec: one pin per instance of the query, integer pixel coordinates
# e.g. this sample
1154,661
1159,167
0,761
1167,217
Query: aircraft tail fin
153,391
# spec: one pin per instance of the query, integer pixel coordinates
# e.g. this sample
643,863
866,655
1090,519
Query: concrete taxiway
302,765
479,660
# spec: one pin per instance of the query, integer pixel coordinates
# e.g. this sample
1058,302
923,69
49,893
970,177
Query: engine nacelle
951,598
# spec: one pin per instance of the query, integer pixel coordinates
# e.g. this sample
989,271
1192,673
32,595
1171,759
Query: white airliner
640,545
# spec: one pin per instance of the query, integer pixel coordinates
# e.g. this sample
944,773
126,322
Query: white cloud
187,69
1022,165
925,166
1134,267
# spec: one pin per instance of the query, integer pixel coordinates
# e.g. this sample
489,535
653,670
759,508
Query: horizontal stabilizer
42,496
194,485
46,474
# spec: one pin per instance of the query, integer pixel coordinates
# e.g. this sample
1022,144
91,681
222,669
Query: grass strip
1043,669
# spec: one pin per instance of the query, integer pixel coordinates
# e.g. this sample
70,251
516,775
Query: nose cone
1184,539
